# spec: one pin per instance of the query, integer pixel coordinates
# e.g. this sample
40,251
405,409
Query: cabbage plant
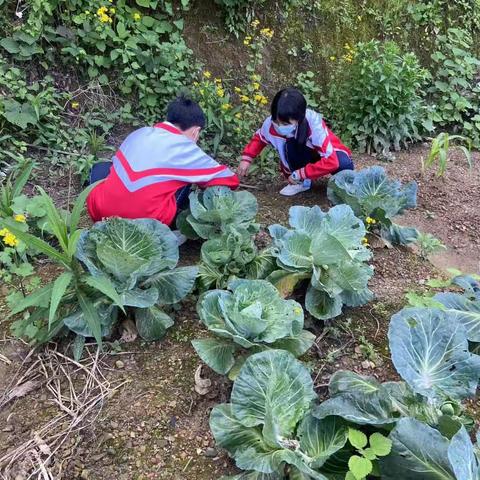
232,255
420,452
373,196
267,426
216,210
326,249
250,316
140,258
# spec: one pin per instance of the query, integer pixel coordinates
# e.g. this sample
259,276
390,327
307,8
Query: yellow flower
207,74
258,97
137,16
246,42
105,19
371,220
238,115
244,98
238,90
333,58
20,218
256,85
75,105
347,47
218,80
4,231
101,11
220,92
226,106
263,101
266,33
195,84
10,239
255,23
255,77
359,18
112,10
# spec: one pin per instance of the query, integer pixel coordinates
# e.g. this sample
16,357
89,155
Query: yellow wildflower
255,23
10,239
226,106
207,74
238,90
264,100
244,98
20,218
195,84
238,115
75,105
370,220
359,18
218,80
101,11
256,85
112,10
246,42
333,58
255,77
4,231
258,98
137,16
266,33
347,47
220,92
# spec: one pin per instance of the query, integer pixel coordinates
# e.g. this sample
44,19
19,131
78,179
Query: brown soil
156,426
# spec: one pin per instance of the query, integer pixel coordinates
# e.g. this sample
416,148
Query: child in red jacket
151,173
306,146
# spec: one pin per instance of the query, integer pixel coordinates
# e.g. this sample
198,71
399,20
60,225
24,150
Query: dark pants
298,156
101,170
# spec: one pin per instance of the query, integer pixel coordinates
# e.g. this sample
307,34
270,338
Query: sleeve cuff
246,158
302,174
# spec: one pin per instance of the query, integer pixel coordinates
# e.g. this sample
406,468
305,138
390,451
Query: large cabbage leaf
252,315
267,424
420,452
327,248
216,210
139,257
430,351
372,194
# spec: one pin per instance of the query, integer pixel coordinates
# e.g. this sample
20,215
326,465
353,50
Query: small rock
114,425
84,474
143,448
211,452
119,364
8,428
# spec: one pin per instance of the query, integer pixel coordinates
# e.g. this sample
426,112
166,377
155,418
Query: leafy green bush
216,210
455,93
327,250
376,200
375,96
253,317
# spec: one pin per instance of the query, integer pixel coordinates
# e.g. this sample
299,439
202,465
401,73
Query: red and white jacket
320,138
149,167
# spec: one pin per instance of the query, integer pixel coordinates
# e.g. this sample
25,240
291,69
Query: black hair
290,104
185,113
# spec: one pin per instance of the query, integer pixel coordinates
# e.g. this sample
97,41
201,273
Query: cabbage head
140,258
370,193
250,316
216,210
267,427
326,249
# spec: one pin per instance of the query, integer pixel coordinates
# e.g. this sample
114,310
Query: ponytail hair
290,104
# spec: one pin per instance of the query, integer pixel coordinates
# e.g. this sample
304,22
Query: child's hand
243,168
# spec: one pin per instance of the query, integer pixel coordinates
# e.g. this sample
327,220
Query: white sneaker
291,190
181,238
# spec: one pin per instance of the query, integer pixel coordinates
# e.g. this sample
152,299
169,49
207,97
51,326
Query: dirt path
156,426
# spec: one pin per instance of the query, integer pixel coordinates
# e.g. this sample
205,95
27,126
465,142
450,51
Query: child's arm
252,150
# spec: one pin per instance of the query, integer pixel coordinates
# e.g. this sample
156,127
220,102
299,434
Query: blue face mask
285,130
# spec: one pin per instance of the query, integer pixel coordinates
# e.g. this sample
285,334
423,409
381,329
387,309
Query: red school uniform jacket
149,167
320,138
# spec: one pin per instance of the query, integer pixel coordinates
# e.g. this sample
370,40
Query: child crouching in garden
306,146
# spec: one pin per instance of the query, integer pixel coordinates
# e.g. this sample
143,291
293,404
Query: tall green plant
50,304
375,96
